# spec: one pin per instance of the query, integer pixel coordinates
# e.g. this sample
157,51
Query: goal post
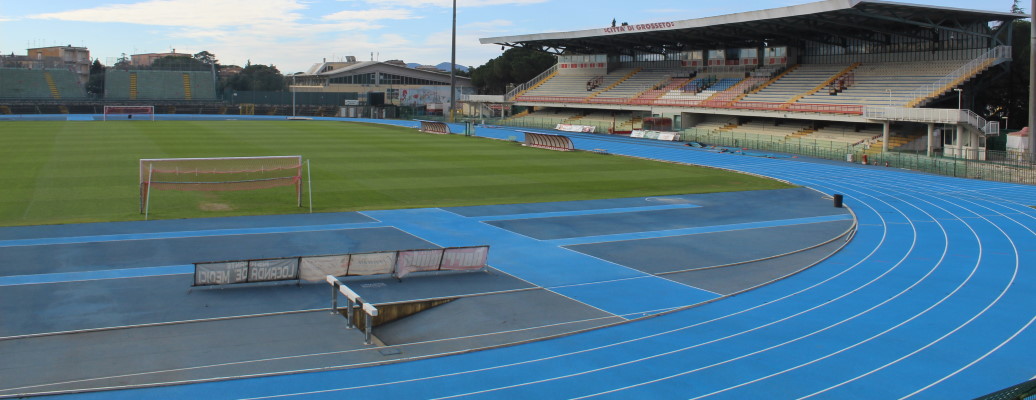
219,174
127,112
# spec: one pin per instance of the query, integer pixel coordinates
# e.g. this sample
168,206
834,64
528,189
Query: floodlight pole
453,63
293,95
1032,83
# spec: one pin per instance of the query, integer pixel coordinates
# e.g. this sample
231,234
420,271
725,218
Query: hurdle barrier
353,300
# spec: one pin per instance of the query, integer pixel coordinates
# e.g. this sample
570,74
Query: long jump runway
932,298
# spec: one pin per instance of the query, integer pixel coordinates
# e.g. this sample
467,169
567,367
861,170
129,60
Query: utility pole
453,63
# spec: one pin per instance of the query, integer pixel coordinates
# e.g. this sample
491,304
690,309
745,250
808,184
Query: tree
258,77
206,58
122,63
1008,96
95,84
1016,9
516,66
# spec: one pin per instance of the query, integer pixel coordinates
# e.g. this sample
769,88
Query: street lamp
960,94
293,95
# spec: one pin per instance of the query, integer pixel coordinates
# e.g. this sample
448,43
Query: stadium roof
829,20
332,69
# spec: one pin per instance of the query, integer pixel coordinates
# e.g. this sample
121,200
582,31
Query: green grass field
68,172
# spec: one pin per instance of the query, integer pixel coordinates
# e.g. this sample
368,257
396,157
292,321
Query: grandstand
845,69
51,84
159,85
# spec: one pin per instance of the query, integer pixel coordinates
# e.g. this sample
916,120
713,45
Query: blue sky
293,34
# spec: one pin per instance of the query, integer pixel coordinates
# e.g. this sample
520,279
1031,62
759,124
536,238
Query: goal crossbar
218,174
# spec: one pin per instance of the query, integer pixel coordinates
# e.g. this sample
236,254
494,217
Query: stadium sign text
639,27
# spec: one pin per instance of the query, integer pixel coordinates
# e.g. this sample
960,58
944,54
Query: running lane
931,299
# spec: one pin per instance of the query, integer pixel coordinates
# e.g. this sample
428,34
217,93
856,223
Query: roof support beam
915,23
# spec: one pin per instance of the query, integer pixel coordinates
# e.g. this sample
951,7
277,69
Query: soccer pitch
69,172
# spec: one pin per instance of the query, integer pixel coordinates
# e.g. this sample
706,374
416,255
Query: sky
294,34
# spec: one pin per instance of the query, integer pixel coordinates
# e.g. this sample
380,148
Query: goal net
129,112
218,174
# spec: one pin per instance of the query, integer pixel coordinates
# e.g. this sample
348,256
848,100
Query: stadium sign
639,27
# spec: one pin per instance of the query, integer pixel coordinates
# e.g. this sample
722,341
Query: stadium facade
854,75
382,83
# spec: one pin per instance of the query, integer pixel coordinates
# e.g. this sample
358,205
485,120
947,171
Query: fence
285,98
999,166
934,115
847,109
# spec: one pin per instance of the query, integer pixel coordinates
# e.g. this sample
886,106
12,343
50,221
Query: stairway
541,82
133,86
53,86
655,94
613,85
894,142
186,86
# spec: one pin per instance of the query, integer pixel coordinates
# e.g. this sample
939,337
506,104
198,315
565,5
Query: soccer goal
129,112
220,174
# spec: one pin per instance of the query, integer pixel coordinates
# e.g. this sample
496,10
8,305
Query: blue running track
934,298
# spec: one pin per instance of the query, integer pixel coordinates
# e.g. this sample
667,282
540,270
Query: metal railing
996,55
933,115
848,109
531,82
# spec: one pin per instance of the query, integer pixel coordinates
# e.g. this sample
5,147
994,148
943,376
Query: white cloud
292,34
186,13
488,26
460,3
371,15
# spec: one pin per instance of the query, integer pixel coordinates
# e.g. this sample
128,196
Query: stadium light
959,96
890,96
293,95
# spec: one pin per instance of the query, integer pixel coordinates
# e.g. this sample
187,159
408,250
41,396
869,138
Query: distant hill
443,66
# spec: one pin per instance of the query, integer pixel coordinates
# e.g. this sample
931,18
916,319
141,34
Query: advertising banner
372,263
273,270
461,258
575,128
315,269
417,260
220,273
